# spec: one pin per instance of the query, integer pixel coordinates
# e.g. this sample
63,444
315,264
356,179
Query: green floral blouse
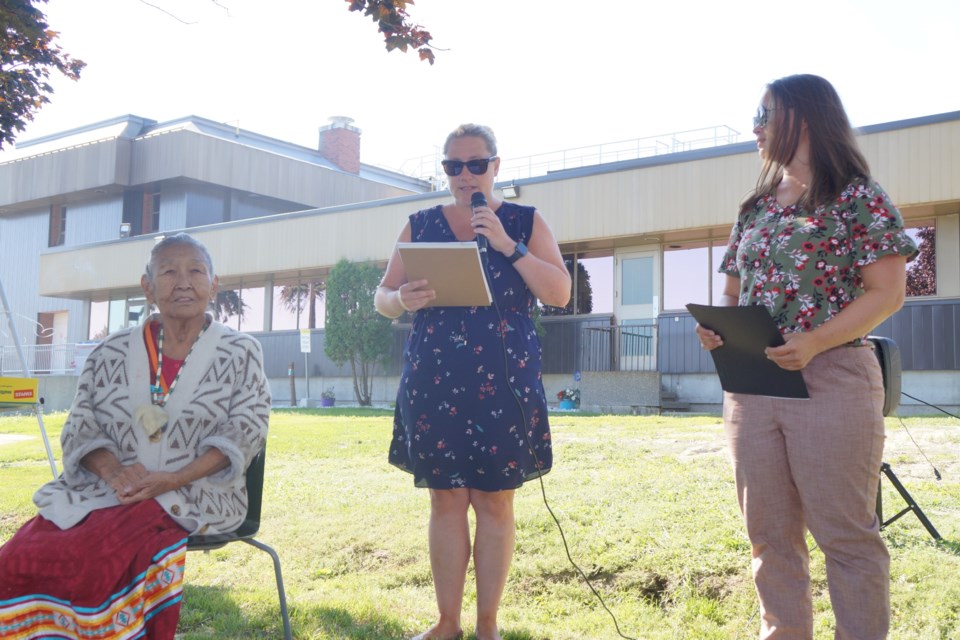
804,267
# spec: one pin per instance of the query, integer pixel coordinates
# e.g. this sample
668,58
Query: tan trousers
815,464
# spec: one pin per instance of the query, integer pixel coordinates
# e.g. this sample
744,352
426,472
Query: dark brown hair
835,158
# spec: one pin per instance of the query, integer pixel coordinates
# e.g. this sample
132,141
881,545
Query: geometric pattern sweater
221,400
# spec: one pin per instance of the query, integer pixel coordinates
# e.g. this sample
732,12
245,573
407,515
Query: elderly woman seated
166,418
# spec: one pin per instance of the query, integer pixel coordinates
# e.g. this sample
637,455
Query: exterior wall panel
205,158
916,164
173,207
94,221
19,262
85,167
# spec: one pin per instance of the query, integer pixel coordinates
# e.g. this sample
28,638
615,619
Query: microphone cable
523,416
933,406
936,472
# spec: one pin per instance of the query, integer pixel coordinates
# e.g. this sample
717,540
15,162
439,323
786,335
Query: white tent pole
26,374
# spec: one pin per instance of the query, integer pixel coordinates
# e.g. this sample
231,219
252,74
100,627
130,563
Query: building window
922,270
686,275
637,280
690,274
58,225
151,211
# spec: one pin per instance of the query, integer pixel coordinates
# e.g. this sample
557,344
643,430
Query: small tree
228,304
355,332
584,291
297,297
27,56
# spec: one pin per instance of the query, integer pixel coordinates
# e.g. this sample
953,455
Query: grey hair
172,241
480,131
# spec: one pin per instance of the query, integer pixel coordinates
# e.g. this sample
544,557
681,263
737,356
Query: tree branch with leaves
28,54
394,23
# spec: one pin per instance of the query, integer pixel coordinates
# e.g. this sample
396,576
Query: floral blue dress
471,411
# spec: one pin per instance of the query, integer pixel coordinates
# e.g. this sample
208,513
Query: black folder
741,363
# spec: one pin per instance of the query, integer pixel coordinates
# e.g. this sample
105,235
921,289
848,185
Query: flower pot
327,402
566,404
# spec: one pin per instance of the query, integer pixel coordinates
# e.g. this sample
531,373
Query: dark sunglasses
476,167
762,117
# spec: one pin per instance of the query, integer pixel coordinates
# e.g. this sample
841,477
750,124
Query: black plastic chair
247,530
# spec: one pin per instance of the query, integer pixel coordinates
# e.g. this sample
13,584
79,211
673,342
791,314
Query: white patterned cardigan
221,400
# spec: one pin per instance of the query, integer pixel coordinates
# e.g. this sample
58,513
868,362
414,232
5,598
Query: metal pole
306,376
293,386
26,374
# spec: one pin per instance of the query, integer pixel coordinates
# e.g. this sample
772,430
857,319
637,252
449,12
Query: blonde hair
477,130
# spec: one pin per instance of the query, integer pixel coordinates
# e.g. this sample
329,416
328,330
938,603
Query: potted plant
327,397
569,398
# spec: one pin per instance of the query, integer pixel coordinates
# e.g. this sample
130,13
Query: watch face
518,252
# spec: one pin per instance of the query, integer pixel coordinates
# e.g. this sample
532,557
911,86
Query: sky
546,75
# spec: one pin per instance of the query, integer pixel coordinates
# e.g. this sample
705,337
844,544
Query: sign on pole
305,349
304,340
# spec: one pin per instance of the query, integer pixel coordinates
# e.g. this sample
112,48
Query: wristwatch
518,252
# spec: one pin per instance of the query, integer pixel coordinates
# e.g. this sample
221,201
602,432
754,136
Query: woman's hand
133,483
146,485
415,295
486,223
799,350
709,339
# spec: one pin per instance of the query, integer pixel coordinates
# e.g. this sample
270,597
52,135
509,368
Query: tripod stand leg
911,504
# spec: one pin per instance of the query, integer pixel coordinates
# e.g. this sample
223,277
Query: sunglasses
763,117
476,167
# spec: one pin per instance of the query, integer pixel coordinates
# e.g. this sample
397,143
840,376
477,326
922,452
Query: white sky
545,74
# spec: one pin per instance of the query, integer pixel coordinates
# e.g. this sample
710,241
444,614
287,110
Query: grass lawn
647,506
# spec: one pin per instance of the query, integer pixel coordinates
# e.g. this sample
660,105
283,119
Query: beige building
275,214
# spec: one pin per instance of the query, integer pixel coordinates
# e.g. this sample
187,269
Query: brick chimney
340,144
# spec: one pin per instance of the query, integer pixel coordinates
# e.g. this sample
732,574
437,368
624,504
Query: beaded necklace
153,418
158,395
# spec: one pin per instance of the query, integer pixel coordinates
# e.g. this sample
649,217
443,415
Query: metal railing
428,167
42,359
624,347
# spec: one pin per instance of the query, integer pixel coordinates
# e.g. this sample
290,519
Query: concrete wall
57,392
637,392
702,392
620,392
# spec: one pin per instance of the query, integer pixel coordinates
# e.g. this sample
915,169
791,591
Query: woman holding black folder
471,416
822,247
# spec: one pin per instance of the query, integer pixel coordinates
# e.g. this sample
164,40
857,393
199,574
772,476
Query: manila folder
452,269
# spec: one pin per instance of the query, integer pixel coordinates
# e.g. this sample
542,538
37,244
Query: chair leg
280,591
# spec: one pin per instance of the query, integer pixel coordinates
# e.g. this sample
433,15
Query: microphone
479,200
